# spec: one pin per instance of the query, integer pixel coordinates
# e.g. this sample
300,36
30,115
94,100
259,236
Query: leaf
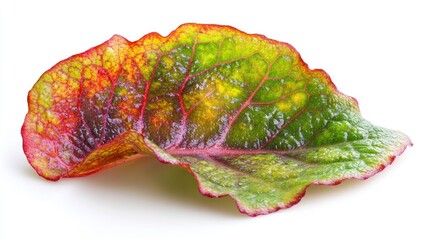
243,113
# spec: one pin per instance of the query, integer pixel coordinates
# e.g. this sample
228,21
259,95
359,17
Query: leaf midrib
219,151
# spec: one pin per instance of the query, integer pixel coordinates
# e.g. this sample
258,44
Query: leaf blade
209,98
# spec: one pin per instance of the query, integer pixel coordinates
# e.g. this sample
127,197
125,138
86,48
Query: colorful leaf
243,113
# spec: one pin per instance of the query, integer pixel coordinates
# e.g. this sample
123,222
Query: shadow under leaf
160,182
172,184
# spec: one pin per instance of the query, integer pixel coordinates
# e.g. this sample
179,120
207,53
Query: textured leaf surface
243,113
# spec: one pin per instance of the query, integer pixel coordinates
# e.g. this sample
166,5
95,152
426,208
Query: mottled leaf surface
243,113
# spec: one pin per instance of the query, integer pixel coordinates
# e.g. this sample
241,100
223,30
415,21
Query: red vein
248,101
285,124
145,95
182,129
219,151
192,108
114,82
316,133
214,151
79,106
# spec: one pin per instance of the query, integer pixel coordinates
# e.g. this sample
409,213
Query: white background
374,51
